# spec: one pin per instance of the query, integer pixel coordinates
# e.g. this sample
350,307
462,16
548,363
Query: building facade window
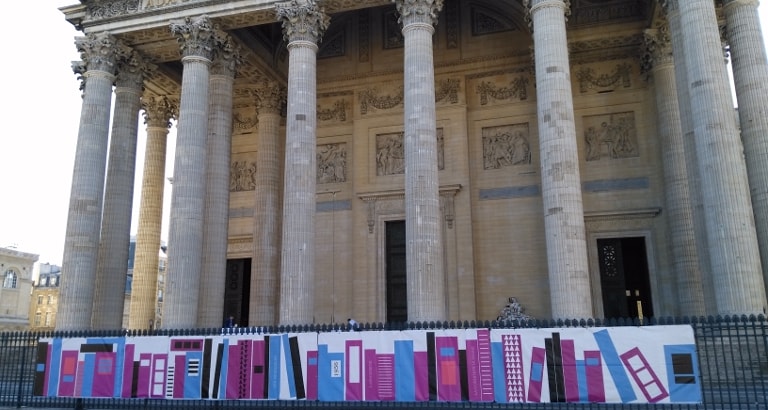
39,299
47,318
37,319
50,299
9,281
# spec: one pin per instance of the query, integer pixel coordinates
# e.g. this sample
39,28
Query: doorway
397,296
237,293
624,278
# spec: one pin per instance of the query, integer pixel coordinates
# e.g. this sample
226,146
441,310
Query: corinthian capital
303,20
158,111
226,55
270,97
418,11
132,70
531,6
195,36
98,51
658,48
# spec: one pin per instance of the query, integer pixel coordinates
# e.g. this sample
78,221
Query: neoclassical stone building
395,160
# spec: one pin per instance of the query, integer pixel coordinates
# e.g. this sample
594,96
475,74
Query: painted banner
655,364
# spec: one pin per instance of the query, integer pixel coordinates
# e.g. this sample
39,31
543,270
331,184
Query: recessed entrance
624,278
397,299
238,290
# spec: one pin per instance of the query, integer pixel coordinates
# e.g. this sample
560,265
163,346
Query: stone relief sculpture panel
506,146
243,121
331,163
242,173
610,136
591,79
390,153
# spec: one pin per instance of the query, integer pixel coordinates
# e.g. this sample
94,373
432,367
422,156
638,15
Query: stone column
112,265
216,216
679,211
158,112
689,147
731,234
424,246
265,269
560,180
750,75
185,236
81,243
303,25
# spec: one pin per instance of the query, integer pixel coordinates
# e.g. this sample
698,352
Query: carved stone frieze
243,122
590,79
332,163
240,247
610,136
636,219
447,90
517,89
606,48
242,173
336,113
155,4
390,153
506,146
103,10
384,203
303,20
370,99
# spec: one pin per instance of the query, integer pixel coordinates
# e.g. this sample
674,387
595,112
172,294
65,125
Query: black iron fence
732,353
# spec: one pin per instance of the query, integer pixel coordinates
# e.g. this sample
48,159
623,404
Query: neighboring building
129,284
45,299
423,160
15,288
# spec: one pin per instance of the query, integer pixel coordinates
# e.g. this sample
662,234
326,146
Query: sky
41,118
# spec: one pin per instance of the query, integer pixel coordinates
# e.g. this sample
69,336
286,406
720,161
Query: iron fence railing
732,353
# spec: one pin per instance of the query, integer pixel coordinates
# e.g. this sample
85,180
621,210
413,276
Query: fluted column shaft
561,183
424,247
185,237
216,216
689,147
303,23
682,233
265,269
750,75
81,243
731,234
157,114
112,265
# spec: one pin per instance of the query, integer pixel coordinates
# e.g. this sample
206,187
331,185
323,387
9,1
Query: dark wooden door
397,299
